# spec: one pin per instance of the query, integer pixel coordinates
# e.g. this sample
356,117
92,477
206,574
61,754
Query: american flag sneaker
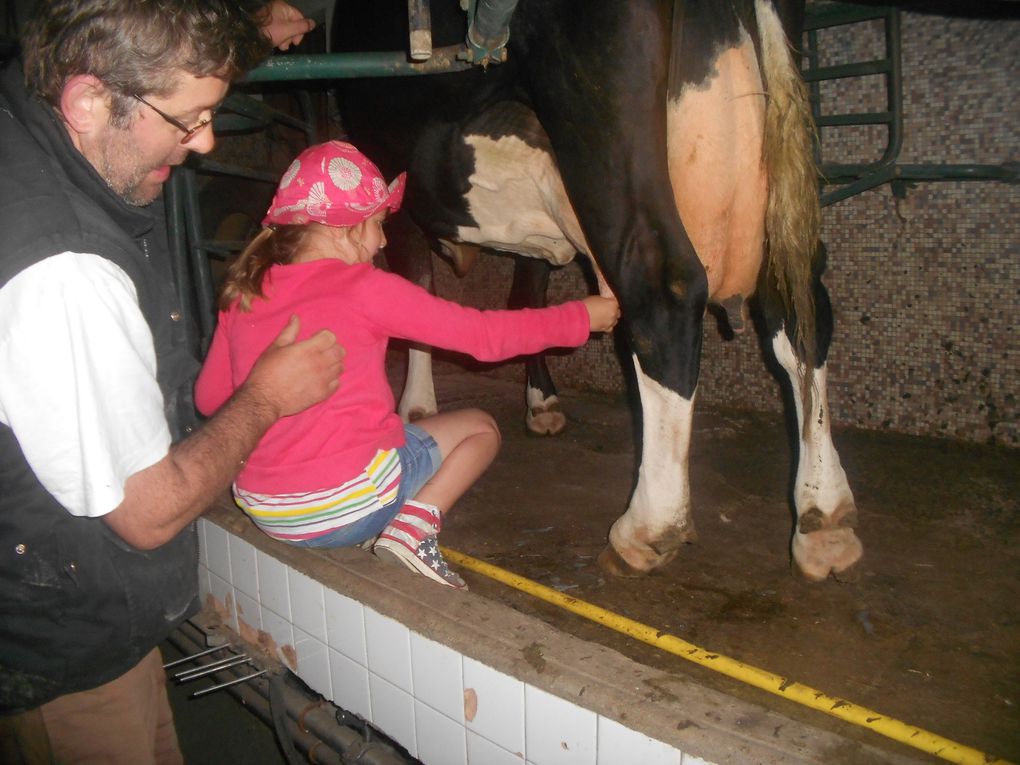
410,539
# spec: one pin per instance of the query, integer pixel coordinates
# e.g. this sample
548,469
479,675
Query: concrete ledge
696,720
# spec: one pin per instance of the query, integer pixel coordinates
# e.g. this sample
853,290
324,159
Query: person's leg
454,449
124,722
23,739
168,748
469,440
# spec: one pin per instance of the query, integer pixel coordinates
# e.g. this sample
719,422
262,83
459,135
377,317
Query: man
102,468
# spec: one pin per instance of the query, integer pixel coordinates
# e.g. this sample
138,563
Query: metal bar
227,684
840,71
1008,172
419,24
894,80
194,656
839,14
208,669
338,66
843,120
489,30
863,184
308,721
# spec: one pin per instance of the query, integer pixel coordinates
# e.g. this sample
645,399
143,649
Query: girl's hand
603,312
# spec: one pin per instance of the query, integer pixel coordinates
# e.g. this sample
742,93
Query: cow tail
793,216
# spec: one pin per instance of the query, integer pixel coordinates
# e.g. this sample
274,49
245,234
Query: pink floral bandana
334,184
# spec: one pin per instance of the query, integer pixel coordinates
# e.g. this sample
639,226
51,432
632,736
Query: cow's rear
681,137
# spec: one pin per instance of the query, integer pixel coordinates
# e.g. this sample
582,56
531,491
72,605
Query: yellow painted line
889,727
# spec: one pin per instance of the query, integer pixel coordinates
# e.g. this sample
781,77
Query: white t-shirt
78,379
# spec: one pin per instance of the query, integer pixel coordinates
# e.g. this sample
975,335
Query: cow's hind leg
824,541
544,415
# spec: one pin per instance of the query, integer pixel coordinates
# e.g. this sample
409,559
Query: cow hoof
545,422
818,554
612,563
849,575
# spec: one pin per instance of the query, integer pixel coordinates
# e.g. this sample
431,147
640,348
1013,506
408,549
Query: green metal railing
854,178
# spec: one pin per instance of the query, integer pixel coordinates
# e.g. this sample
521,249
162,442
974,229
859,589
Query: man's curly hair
140,47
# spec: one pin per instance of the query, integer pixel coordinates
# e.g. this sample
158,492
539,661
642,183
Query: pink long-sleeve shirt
363,306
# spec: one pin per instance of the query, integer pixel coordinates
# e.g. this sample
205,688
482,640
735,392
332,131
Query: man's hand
163,498
291,376
285,25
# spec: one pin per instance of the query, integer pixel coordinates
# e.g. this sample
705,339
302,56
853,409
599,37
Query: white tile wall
243,571
273,591
481,751
280,630
406,684
441,741
389,649
248,610
221,590
313,662
618,745
557,732
345,626
393,712
306,604
500,705
217,542
437,677
350,685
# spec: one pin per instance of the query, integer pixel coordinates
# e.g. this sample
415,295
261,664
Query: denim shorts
420,458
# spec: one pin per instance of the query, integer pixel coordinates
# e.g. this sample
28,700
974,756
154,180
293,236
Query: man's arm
162,499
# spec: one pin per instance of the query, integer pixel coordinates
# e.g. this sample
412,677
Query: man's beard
125,179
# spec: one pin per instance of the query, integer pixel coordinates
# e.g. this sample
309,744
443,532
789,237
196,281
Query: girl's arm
404,310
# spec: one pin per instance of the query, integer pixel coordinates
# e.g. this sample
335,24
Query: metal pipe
227,684
194,656
311,721
208,669
489,30
419,24
338,66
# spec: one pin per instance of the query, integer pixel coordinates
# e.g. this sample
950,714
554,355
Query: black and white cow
670,142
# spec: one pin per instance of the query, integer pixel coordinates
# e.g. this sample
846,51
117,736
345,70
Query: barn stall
924,279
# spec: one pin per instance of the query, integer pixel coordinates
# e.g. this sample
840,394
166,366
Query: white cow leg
545,415
658,520
824,541
419,397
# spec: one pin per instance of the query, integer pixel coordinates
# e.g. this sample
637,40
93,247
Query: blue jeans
420,458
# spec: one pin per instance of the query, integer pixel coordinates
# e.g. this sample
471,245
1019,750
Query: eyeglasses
189,132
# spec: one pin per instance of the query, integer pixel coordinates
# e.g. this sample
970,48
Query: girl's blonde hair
276,245
273,246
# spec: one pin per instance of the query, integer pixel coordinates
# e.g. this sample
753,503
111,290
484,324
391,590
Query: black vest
78,605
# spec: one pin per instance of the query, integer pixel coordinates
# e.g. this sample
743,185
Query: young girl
348,470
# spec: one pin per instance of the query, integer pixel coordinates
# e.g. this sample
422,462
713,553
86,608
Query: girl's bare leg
469,441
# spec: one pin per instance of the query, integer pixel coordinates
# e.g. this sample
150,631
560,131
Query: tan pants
125,722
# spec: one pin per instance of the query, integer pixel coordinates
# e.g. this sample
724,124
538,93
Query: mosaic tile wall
926,289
